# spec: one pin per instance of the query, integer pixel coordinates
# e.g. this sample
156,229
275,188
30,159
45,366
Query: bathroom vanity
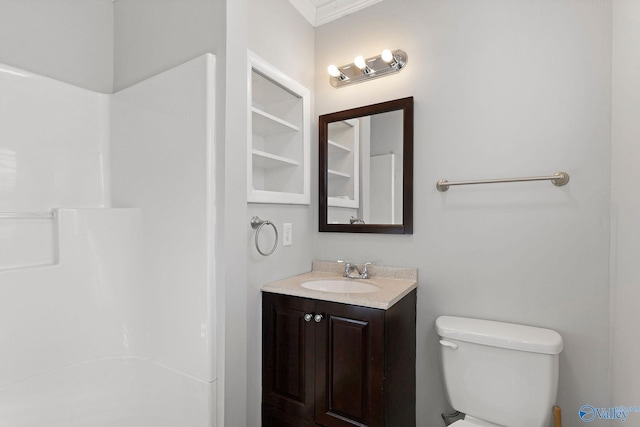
338,358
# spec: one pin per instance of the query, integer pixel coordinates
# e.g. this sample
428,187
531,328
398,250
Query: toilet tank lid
500,334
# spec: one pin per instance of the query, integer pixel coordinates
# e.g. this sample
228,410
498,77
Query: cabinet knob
308,317
318,318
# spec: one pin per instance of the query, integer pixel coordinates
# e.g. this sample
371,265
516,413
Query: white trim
330,12
319,15
306,8
260,196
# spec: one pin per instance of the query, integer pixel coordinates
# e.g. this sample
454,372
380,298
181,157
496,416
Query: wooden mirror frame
404,104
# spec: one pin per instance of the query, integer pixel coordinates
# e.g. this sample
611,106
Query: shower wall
53,152
107,313
73,310
63,279
54,143
162,162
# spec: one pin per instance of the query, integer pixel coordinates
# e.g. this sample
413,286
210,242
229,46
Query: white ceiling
319,12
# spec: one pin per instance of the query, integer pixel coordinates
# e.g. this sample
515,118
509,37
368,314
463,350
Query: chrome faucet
349,267
354,220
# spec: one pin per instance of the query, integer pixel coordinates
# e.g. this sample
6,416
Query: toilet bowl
473,422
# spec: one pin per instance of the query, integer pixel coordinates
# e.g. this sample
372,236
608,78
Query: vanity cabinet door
342,366
272,417
288,355
349,366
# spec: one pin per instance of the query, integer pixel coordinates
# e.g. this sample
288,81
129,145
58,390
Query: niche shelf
269,161
279,136
344,164
336,174
268,124
335,148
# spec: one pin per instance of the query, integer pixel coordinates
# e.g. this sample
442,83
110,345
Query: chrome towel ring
257,224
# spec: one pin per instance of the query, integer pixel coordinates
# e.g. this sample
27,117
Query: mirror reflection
365,184
365,170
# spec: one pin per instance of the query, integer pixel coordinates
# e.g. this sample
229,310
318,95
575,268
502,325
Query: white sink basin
341,286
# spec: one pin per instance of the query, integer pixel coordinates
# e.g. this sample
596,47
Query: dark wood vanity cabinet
337,365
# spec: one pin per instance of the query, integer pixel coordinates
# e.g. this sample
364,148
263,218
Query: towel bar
558,179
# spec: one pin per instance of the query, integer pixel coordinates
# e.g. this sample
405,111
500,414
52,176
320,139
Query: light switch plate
287,234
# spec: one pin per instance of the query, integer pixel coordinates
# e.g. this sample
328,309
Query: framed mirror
366,169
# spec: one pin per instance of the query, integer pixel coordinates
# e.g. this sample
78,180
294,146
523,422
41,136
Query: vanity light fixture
388,62
391,59
336,73
361,63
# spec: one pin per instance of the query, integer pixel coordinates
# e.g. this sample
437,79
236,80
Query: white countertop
394,283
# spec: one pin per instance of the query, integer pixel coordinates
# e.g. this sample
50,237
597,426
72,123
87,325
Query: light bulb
360,62
387,56
333,71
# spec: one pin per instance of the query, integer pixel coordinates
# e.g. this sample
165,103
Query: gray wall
625,224
235,217
154,35
68,40
278,34
502,89
105,46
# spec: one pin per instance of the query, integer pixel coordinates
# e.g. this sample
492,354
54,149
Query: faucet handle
365,270
347,267
347,264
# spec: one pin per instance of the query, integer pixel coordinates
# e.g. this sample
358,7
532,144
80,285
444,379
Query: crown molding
319,12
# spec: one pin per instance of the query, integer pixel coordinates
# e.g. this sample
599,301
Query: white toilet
499,374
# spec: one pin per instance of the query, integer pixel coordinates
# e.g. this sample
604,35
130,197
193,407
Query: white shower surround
113,321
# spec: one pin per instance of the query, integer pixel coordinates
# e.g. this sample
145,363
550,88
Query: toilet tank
503,373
